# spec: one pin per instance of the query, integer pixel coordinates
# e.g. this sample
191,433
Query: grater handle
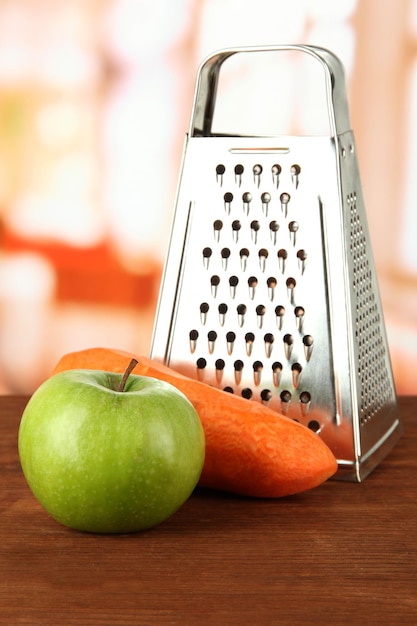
208,76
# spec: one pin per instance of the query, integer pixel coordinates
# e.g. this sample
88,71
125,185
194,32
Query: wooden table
344,553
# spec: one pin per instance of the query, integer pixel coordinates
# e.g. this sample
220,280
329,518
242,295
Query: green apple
110,454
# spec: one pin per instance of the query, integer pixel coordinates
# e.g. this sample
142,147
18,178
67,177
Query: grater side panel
172,272
377,418
250,312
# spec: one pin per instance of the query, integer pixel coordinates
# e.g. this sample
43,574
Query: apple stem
127,373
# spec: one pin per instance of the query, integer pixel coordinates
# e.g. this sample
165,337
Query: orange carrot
250,449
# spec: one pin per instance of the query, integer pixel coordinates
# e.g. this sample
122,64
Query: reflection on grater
269,289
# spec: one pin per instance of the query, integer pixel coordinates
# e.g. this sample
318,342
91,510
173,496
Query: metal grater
269,288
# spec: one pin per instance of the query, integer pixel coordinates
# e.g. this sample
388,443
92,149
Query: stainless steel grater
269,288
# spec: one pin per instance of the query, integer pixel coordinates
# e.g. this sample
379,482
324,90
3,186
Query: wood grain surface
343,553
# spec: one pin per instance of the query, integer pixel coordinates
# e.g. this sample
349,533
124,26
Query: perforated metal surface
248,320
375,378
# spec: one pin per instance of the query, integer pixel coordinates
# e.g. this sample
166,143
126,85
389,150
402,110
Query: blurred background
95,101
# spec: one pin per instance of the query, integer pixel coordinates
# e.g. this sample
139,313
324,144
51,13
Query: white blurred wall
95,99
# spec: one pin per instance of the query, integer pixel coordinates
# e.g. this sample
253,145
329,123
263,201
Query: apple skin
106,461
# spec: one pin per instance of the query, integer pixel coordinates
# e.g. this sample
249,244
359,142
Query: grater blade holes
302,257
299,313
288,341
265,199
254,227
219,365
249,339
260,312
211,339
282,255
308,342
293,229
207,252
268,341
276,171
204,309
241,311
252,284
214,282
239,169
286,398
263,255
257,171
257,372
193,336
236,226
266,396
233,283
291,283
201,364
279,314
217,227
305,402
276,373
271,283
273,228
238,366
284,199
296,370
230,341
222,308
295,174
225,255
228,199
246,199
220,170
314,425
244,255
